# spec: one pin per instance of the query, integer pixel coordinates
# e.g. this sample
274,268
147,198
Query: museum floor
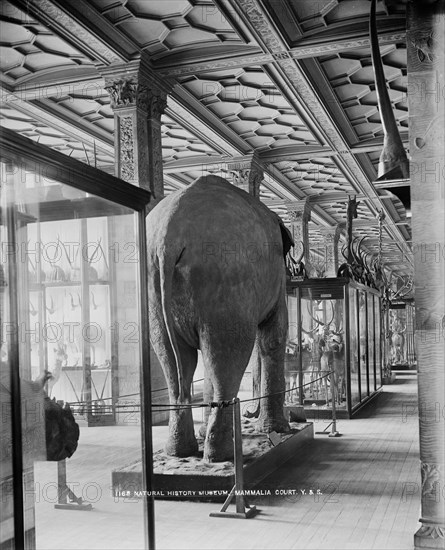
369,477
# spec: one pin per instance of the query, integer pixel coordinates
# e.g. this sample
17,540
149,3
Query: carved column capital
134,83
138,100
299,211
247,173
134,90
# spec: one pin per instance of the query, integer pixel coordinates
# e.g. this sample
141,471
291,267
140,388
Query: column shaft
426,83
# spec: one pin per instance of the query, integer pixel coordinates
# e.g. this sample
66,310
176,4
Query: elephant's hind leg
272,336
182,440
225,360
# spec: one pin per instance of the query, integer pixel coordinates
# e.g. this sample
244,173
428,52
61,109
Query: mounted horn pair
321,323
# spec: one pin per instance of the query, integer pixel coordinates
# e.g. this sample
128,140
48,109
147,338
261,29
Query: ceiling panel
351,76
28,47
170,25
248,102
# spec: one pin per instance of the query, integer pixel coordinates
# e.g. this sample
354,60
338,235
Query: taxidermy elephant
216,280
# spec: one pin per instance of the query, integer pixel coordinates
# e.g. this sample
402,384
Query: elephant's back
228,247
212,208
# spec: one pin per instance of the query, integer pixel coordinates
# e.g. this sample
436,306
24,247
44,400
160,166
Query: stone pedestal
426,84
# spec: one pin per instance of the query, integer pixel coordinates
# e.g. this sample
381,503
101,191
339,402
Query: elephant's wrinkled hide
216,280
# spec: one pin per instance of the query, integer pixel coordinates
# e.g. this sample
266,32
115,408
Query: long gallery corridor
369,477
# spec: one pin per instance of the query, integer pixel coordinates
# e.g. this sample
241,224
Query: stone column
247,174
138,100
331,237
299,216
426,85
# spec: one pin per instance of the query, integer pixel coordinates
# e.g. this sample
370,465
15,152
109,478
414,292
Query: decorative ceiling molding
295,152
298,52
195,163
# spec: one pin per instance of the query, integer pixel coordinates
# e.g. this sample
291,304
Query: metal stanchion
333,424
243,510
334,432
64,492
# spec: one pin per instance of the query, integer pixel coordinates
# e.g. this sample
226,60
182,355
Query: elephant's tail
166,269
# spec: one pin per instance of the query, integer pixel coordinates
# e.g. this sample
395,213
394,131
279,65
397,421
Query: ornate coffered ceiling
170,26
288,80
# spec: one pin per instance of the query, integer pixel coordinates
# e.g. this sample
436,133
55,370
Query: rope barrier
286,391
212,404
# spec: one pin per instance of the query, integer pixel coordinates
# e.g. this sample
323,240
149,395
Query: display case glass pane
354,348
378,342
77,275
6,458
363,339
371,343
292,358
323,357
397,327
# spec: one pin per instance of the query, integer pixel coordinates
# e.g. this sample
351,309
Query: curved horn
355,252
393,154
408,286
51,309
32,310
350,252
359,251
64,249
319,323
302,253
309,331
333,313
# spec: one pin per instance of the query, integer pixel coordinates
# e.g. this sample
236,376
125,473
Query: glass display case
333,349
73,303
397,336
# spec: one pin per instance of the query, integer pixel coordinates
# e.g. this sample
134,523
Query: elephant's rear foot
182,440
218,445
266,424
272,417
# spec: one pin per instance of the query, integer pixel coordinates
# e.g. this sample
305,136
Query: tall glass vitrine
74,303
334,345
